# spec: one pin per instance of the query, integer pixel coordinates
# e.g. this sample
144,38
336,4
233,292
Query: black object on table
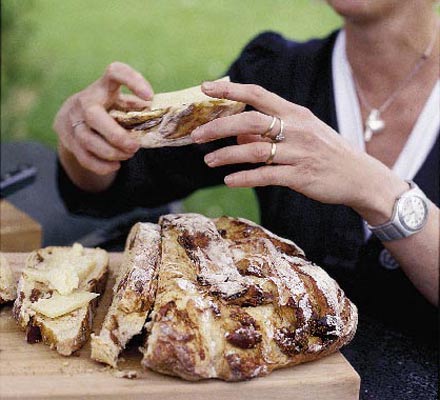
15,179
392,365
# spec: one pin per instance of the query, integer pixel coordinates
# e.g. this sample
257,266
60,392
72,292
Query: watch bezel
401,215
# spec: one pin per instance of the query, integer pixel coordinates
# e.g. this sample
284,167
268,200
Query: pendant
373,124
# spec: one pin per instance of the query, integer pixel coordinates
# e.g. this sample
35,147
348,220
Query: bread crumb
65,363
127,374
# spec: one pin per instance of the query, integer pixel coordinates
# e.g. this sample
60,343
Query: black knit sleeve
151,178
156,176
265,61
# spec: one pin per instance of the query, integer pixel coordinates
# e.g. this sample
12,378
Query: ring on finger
273,150
269,129
77,123
280,135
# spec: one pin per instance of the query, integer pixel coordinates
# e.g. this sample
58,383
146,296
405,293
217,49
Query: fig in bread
174,115
57,295
133,293
8,285
235,302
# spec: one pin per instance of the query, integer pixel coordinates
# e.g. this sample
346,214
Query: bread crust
133,294
173,125
78,323
8,285
171,117
235,302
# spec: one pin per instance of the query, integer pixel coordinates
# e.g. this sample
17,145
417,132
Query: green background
54,48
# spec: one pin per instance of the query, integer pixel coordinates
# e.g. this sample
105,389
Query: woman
376,82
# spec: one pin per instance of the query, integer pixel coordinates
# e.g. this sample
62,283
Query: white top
422,137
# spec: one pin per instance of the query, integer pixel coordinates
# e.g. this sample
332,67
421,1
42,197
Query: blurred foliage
54,48
19,78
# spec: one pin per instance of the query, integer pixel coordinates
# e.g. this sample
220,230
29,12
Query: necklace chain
374,123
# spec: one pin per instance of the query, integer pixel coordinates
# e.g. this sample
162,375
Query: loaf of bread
174,115
57,295
133,293
235,302
8,285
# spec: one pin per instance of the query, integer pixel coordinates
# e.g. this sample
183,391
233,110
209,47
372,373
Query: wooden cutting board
18,231
36,372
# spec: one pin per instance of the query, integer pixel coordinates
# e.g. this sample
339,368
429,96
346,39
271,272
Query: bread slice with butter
8,284
133,293
172,116
58,293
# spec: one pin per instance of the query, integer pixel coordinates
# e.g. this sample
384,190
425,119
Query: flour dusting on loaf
235,301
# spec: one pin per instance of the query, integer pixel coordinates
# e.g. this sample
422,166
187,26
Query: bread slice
174,115
235,302
57,295
8,285
133,293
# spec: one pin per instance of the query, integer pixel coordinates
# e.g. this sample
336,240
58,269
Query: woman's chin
363,10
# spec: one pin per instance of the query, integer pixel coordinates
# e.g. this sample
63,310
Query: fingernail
196,136
209,159
147,93
208,85
229,179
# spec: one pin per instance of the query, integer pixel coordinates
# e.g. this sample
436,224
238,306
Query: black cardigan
331,235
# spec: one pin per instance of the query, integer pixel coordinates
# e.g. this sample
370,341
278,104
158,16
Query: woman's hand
88,135
312,159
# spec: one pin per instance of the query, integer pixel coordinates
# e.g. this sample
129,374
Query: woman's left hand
313,159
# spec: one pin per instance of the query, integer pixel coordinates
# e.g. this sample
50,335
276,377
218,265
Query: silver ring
280,135
273,150
78,123
268,130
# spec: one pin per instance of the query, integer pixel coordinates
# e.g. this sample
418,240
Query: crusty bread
133,293
68,332
235,302
8,285
174,115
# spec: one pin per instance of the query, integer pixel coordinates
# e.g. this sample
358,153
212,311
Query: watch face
413,212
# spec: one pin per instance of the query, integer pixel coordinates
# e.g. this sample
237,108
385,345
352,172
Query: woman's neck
387,49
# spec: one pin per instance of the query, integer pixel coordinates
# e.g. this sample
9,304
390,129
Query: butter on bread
8,284
58,305
133,293
63,270
173,116
57,295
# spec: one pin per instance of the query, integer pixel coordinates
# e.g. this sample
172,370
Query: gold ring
273,150
268,130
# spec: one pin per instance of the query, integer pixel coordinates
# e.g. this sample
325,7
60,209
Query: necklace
374,123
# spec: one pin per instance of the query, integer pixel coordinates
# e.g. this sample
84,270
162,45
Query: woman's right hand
91,143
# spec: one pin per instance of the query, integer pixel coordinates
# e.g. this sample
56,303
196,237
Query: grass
174,43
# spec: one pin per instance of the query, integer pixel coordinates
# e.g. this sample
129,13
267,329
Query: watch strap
388,231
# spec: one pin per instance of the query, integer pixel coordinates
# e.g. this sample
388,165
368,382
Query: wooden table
36,372
18,231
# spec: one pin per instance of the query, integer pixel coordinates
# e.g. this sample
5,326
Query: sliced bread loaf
133,293
58,293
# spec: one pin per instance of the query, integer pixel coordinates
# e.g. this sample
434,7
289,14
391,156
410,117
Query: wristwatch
410,214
